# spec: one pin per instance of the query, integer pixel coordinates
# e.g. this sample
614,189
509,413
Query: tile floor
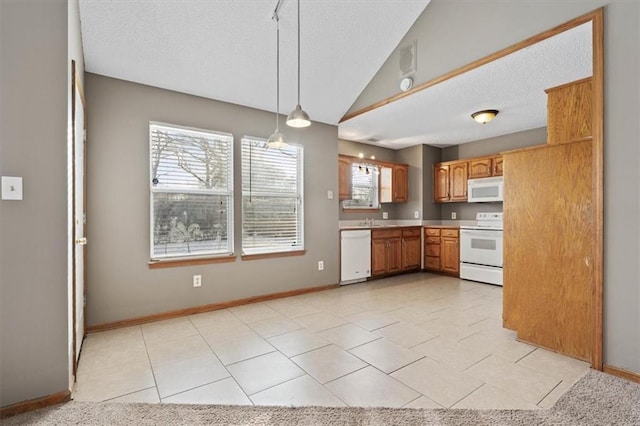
419,340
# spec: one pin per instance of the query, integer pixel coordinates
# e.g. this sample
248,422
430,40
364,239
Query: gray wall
495,145
33,232
622,186
413,157
430,155
120,284
505,23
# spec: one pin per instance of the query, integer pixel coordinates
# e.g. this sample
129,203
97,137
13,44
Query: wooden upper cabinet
344,178
440,183
481,167
497,162
400,183
450,181
458,181
569,112
485,167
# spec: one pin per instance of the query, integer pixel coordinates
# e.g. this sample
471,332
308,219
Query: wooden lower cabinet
450,255
442,250
386,251
411,248
394,250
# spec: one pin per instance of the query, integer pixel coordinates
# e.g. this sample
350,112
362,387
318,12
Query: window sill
273,254
173,263
347,210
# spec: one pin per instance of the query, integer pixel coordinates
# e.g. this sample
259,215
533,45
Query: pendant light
298,117
277,139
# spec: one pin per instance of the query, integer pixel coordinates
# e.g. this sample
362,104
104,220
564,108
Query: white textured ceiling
514,85
225,50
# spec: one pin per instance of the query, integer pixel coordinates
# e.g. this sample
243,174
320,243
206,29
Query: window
191,192
364,187
272,199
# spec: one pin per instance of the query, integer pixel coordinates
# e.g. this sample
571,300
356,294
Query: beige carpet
597,399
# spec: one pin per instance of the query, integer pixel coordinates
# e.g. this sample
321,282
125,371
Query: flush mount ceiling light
277,139
297,117
485,116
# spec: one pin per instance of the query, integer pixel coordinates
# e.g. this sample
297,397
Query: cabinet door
394,255
497,165
379,257
400,184
410,253
386,184
480,168
459,181
344,178
440,183
450,255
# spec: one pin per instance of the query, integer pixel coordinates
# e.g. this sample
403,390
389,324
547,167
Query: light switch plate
416,214
11,188
330,194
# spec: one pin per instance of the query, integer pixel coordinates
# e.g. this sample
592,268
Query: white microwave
485,190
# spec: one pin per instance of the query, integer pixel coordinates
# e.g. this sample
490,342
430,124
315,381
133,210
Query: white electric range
481,249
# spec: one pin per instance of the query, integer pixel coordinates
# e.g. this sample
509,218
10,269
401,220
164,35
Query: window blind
272,198
364,187
191,183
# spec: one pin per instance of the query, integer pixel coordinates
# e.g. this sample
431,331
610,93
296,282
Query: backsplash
467,211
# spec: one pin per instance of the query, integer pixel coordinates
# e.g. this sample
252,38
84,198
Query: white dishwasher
355,256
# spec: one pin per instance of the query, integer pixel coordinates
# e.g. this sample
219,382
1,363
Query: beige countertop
384,224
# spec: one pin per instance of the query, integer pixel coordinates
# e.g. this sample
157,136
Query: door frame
77,85
596,17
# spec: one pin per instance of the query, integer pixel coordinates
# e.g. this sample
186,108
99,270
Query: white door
79,217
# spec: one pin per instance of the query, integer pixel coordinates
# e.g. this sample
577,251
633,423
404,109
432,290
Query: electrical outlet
385,215
329,195
197,280
321,265
453,215
416,214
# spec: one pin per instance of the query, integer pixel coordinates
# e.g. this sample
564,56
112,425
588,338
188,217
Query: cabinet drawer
432,263
449,232
386,233
432,232
432,240
411,232
432,250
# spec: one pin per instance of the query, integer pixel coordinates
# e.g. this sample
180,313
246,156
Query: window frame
375,190
274,251
188,258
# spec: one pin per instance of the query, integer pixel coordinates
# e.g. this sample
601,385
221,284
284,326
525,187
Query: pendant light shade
298,117
277,139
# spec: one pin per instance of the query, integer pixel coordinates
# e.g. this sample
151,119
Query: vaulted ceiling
226,49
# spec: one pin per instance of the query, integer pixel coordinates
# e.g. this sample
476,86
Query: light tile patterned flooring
418,340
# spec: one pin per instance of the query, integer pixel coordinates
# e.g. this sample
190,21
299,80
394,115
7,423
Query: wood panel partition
548,253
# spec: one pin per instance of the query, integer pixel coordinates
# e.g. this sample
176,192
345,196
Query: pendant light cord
277,72
298,52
